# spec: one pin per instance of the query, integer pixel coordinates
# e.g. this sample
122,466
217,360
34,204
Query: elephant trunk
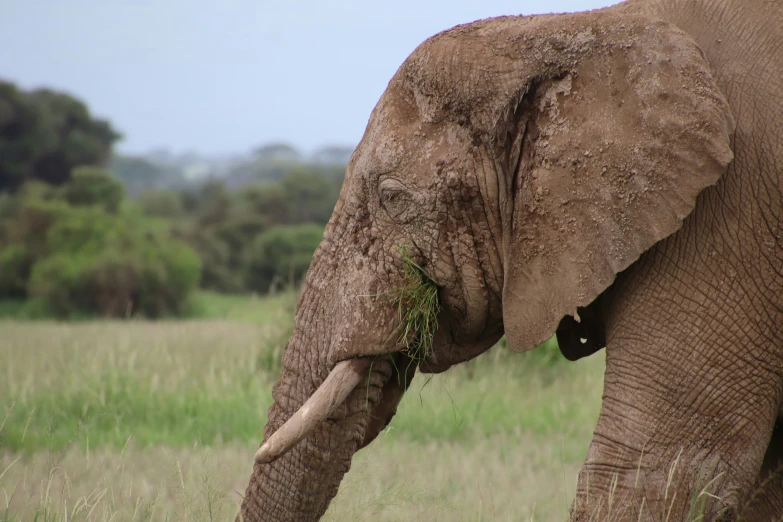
322,405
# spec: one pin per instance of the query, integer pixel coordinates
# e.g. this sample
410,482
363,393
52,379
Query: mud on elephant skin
614,176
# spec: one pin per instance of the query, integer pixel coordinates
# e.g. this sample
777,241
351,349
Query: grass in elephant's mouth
417,305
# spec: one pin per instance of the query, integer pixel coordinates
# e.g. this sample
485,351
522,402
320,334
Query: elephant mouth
341,381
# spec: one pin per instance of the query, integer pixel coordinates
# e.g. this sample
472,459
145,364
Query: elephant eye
393,195
391,190
388,196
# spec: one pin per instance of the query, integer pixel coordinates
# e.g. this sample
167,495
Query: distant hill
139,173
160,169
332,155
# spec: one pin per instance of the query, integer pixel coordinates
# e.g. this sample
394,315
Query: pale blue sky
223,76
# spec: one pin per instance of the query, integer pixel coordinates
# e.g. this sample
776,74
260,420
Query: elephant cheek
391,395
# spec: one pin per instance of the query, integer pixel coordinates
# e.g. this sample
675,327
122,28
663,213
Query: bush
94,186
23,231
14,271
268,200
281,256
310,194
169,273
215,256
160,203
84,260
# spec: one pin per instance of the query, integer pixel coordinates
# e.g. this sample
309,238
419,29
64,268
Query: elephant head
518,164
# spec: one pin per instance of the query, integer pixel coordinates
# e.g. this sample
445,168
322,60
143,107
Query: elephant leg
691,392
766,503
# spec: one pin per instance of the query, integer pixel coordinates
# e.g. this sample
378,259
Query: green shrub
219,229
58,280
94,186
103,264
14,270
266,199
29,219
215,256
160,203
73,260
169,273
281,256
237,233
23,231
310,195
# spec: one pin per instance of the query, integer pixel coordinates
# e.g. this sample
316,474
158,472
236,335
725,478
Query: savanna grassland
141,420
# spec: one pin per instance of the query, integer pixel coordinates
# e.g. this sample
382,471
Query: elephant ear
607,127
614,150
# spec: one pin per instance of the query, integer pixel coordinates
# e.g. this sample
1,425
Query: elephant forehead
475,68
471,74
409,149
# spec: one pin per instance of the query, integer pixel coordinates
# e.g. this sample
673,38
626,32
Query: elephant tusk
342,380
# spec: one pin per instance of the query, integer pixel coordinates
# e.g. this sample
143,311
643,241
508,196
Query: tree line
88,232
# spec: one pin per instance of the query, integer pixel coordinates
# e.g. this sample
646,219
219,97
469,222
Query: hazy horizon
222,79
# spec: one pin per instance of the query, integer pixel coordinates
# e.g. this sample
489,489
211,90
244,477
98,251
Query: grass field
146,420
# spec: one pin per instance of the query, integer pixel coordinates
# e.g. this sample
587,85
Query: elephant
611,177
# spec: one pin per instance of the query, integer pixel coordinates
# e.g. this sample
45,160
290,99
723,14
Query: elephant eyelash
392,194
388,196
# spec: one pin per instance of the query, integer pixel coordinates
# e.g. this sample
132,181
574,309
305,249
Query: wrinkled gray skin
623,167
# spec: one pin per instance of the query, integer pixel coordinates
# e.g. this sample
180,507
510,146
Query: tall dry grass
159,421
